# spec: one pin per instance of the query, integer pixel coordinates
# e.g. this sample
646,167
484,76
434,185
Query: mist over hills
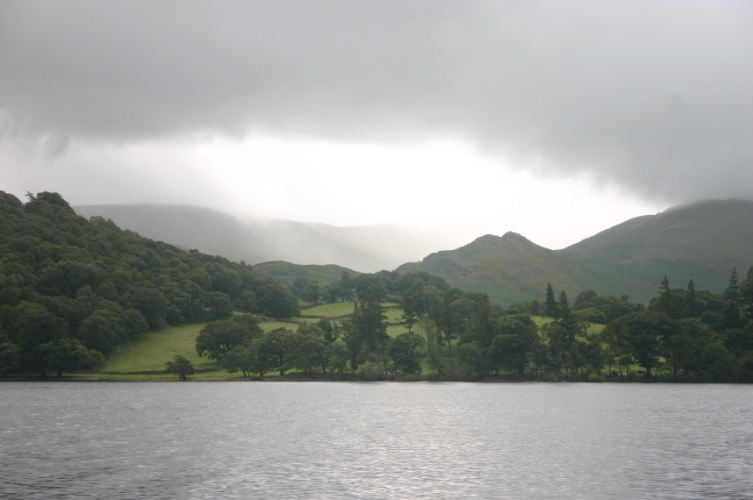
719,231
702,241
361,248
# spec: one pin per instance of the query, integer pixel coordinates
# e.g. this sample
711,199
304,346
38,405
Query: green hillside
512,269
150,351
288,274
702,241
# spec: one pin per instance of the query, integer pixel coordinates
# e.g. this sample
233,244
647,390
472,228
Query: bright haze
551,119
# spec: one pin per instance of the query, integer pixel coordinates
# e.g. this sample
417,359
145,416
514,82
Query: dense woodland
73,290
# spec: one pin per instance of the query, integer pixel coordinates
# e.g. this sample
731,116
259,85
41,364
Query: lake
374,440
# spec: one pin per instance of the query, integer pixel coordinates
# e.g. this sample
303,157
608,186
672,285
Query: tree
220,306
560,335
180,366
367,334
8,358
513,345
62,355
684,346
550,305
404,352
151,303
346,287
33,325
563,307
640,336
276,348
261,356
718,362
248,322
312,291
746,294
664,303
692,307
276,302
732,293
411,303
310,353
219,337
97,332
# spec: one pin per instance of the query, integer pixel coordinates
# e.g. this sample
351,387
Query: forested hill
70,285
702,241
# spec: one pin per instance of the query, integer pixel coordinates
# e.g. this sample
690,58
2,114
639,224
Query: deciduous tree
180,366
219,337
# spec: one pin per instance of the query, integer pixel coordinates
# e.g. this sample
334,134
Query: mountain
716,231
512,269
702,241
362,248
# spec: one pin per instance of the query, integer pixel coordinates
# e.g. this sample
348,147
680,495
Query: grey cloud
655,96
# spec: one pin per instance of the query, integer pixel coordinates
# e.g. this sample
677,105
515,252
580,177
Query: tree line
72,290
683,334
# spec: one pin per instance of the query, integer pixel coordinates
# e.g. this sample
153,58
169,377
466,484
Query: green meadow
268,326
152,350
336,310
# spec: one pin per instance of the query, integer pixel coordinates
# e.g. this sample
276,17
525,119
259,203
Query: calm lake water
375,440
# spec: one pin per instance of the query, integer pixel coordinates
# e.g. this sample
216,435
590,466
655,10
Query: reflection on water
375,440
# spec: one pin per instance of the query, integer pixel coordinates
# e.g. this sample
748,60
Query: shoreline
294,379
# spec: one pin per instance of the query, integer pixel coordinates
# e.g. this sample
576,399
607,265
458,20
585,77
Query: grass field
394,315
395,330
151,351
336,310
595,328
268,326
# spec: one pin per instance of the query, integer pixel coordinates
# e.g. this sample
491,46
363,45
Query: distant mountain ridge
361,248
712,229
702,241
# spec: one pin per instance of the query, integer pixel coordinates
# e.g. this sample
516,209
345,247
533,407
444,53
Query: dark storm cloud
656,96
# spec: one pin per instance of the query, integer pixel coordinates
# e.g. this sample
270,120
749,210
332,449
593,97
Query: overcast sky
553,119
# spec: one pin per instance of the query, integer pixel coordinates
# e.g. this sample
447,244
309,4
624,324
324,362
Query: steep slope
363,248
511,269
701,241
720,231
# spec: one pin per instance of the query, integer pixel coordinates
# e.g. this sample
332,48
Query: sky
553,119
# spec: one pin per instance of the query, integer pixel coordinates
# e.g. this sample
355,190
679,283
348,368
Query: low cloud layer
653,96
